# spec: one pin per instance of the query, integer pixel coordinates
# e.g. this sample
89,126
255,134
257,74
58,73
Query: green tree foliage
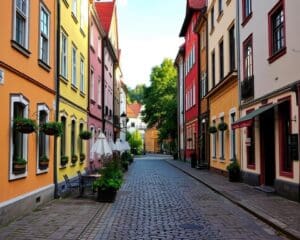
160,100
135,141
136,94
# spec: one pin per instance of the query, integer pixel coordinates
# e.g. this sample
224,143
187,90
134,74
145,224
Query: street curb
261,216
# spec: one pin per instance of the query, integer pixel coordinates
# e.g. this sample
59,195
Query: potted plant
74,159
25,125
85,135
212,129
19,165
43,162
234,171
125,165
82,157
64,160
222,126
52,128
110,181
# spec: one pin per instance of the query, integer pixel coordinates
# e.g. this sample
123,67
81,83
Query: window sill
93,101
82,32
99,60
20,48
222,159
41,172
74,88
228,2
92,48
63,79
212,31
99,107
63,167
74,18
220,16
246,19
277,55
66,3
44,65
82,94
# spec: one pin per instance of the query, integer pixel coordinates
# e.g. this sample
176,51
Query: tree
160,100
136,94
135,141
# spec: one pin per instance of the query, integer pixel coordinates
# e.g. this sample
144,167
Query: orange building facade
27,89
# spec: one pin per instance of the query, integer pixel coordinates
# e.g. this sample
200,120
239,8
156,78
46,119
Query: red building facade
191,81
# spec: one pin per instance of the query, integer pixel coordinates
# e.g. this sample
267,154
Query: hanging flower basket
19,165
222,126
82,157
85,135
43,162
74,159
64,160
212,129
52,128
25,125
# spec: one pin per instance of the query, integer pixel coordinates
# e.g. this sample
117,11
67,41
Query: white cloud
123,3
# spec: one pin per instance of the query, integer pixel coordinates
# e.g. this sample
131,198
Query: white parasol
112,144
119,145
101,146
126,146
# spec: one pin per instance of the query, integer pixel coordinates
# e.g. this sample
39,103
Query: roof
191,7
133,110
105,12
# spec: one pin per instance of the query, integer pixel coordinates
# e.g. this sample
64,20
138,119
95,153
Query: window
232,48
248,58
250,144
73,137
63,56
247,9
99,48
92,90
92,141
213,64
214,142
92,36
63,138
21,19
82,13
74,66
221,135
99,91
203,84
80,140
221,60
74,8
212,20
81,75
132,124
18,141
277,30
194,94
43,139
232,136
44,34
220,7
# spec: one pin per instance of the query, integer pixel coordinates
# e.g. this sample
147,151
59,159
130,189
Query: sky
148,33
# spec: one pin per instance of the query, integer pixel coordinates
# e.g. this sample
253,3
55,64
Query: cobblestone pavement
158,201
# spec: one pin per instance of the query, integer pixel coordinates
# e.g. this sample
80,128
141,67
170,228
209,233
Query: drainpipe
239,71
56,195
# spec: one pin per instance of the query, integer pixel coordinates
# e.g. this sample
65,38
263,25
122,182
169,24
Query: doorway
267,139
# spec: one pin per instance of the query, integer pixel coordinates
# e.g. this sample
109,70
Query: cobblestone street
157,201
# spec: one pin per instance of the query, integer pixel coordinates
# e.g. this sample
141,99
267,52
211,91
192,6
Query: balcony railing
247,88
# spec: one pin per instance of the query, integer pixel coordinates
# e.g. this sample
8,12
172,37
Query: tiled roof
105,11
133,110
191,6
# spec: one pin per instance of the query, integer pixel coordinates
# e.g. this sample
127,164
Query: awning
247,120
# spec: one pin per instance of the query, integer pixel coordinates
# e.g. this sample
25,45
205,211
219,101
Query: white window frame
99,47
82,75
64,56
20,99
25,15
99,90
44,35
92,141
92,35
42,107
74,68
1,76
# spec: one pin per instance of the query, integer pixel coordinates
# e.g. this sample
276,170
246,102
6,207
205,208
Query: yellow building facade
74,75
